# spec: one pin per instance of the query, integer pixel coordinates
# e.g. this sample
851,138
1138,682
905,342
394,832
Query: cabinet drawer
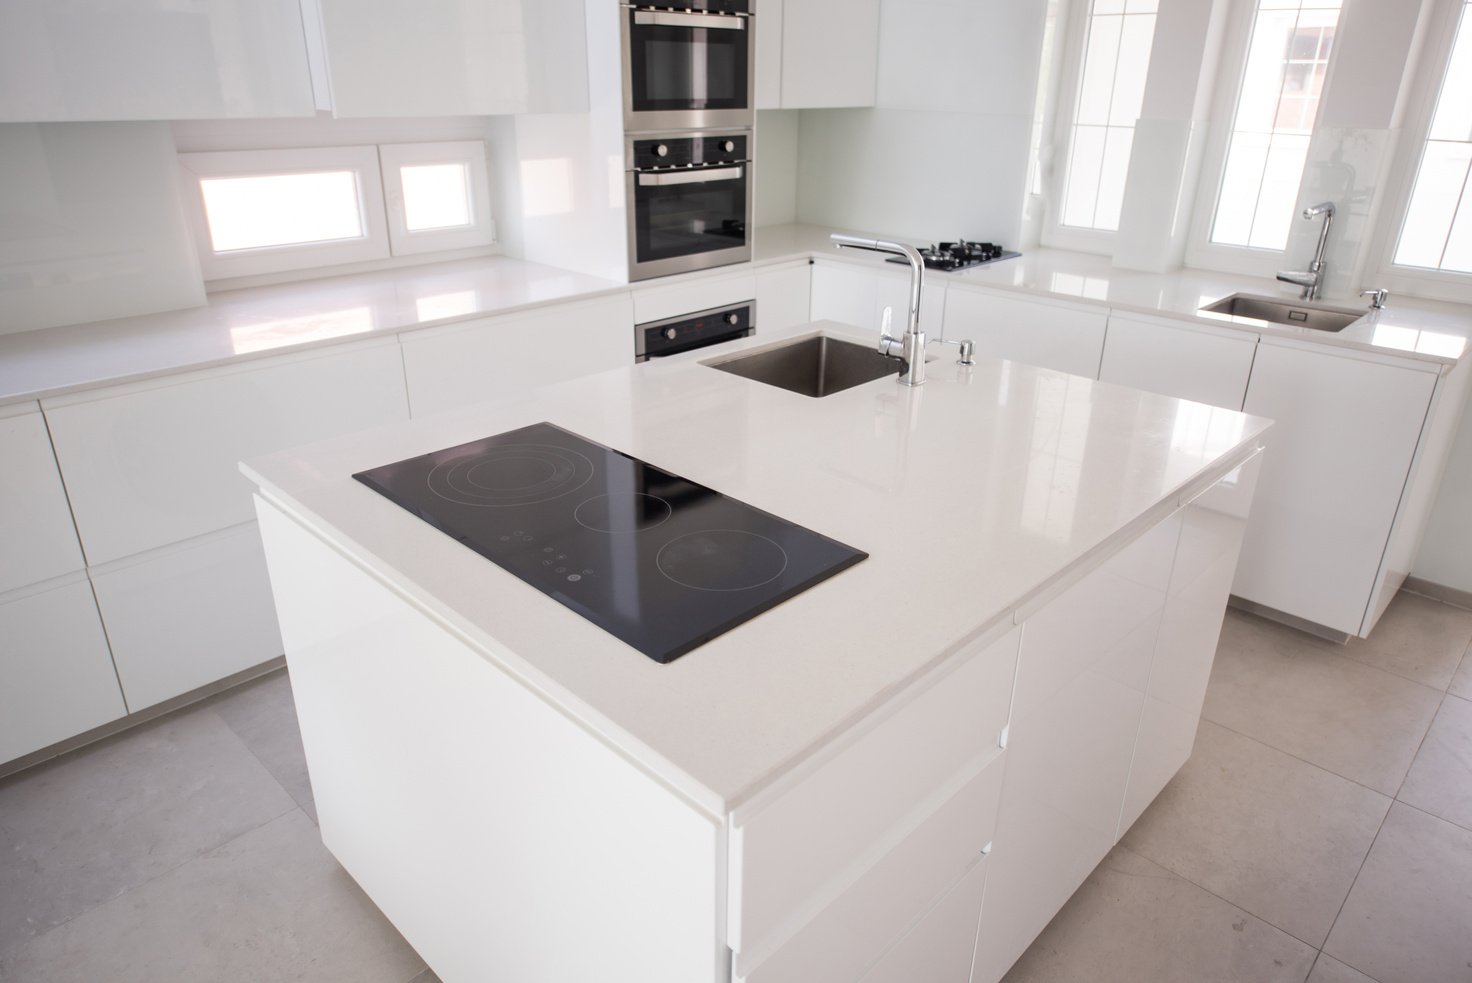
696,294
801,842
939,949
35,523
1055,336
1185,361
848,933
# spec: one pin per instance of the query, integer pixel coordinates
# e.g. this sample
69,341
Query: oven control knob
671,334
733,318
729,146
661,151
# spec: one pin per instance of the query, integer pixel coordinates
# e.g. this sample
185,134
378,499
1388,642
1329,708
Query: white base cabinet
939,948
1051,334
56,677
856,295
1208,365
783,296
40,542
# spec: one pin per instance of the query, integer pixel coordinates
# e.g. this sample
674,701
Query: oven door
686,69
689,219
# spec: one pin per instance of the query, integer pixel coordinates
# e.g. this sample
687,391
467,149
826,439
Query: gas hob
961,255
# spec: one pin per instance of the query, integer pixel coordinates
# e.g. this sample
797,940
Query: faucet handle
888,343
1378,298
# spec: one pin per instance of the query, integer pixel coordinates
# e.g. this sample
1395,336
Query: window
1287,58
1111,91
272,211
1437,233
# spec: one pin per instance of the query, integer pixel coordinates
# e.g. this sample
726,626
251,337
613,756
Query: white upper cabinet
830,54
1208,365
152,59
768,53
1052,334
35,521
453,57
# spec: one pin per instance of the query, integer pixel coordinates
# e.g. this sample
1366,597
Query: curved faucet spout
911,346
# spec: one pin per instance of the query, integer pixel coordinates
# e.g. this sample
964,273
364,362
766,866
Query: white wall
91,226
945,151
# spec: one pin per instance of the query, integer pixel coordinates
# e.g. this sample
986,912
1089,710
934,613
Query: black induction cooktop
659,562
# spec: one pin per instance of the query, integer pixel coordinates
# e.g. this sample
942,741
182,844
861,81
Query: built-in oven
673,335
688,64
689,202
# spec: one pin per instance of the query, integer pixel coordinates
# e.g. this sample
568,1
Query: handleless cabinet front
1051,334
858,294
1208,365
35,521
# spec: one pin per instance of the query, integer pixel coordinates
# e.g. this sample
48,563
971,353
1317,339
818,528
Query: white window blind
1287,59
1437,233
1110,93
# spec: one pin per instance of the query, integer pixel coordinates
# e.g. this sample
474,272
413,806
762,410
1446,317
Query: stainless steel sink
814,366
1276,310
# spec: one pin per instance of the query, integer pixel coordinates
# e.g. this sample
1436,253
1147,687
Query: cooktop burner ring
623,512
511,475
721,560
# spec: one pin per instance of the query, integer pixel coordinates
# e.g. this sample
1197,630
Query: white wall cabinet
858,295
152,463
496,357
1208,365
1337,464
36,528
768,53
830,53
784,296
1051,334
152,59
56,677
448,58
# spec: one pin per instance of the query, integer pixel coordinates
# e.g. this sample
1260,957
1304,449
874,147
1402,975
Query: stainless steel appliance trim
697,261
685,119
640,347
695,175
716,22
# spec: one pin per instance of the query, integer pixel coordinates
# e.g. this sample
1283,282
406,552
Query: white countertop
972,494
260,321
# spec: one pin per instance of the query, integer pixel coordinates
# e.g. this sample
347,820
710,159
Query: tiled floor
1328,806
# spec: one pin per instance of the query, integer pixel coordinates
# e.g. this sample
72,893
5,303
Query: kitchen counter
257,322
975,496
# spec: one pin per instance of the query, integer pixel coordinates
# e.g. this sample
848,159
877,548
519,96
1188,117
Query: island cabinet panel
858,295
187,615
809,839
505,840
939,949
40,541
1205,364
783,296
1082,674
1052,334
1333,477
1190,627
846,936
56,677
830,53
152,463
499,357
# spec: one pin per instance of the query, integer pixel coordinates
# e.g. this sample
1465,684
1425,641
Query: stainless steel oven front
688,64
689,202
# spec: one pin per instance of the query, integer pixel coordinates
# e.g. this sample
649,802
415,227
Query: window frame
1201,252
405,242
362,160
1429,75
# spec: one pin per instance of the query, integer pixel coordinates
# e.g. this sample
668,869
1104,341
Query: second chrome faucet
1312,279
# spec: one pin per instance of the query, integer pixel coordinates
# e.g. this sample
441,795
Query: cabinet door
35,521
1332,477
830,53
185,616
148,464
56,678
688,295
858,294
152,59
768,54
497,357
938,949
1066,337
1208,365
1081,678
783,297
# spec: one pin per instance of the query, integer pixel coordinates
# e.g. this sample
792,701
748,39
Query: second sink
813,366
1276,310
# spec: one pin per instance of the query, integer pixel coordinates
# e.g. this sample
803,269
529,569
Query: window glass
1437,233
1287,59
281,209
436,196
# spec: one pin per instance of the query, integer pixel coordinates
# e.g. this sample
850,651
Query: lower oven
689,202
673,335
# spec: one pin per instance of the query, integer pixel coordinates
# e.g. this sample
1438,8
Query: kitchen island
826,792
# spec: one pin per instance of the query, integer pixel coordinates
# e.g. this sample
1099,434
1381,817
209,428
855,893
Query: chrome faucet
1312,279
909,347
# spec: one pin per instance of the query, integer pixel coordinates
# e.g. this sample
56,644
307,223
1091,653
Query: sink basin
1276,310
813,366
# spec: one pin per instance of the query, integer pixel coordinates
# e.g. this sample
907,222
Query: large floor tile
85,828
1462,681
1407,918
263,715
1440,781
1291,692
1331,970
271,905
1259,828
1134,920
1417,638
